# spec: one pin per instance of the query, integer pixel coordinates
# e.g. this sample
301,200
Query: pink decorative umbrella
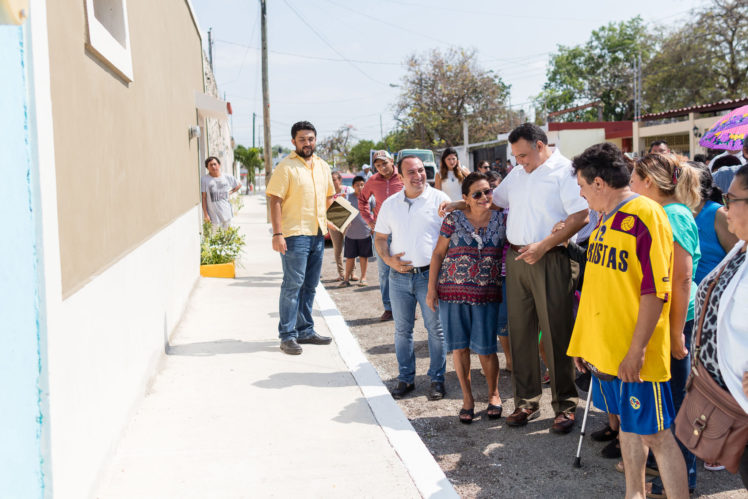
728,132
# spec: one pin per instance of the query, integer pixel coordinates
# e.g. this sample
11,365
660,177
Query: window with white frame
109,35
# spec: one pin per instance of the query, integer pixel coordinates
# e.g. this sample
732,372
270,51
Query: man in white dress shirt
411,217
541,191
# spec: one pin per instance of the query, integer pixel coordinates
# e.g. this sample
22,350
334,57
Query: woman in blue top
715,240
676,185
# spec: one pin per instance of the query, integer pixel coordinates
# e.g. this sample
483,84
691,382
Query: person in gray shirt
357,239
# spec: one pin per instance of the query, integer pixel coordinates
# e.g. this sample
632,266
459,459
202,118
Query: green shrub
220,245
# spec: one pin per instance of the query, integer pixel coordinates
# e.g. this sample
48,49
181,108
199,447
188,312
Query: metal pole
267,150
639,86
254,116
210,47
465,139
381,130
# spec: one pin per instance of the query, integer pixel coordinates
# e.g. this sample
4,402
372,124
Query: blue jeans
384,279
302,265
407,290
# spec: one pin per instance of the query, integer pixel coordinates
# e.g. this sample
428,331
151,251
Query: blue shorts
644,408
503,324
598,400
469,326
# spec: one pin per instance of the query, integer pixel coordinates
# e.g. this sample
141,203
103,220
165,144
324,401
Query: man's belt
418,270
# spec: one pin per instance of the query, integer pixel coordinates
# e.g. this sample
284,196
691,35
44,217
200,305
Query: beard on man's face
305,151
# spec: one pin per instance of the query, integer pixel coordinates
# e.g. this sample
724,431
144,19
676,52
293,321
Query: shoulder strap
697,343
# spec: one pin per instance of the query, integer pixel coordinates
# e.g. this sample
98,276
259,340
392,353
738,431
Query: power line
244,58
332,47
306,56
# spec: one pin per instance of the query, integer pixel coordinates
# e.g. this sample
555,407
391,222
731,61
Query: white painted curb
426,474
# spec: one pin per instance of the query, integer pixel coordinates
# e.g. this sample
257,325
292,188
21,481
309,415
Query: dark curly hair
605,161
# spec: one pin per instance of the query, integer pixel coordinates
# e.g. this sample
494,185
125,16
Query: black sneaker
437,391
605,434
402,389
315,339
291,347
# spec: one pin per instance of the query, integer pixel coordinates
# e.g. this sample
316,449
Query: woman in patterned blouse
724,334
464,283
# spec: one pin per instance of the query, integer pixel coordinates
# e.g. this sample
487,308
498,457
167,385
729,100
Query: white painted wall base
104,345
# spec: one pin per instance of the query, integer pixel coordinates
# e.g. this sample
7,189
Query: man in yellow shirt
622,327
299,193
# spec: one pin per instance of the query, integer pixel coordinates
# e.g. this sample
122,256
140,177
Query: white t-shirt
452,187
217,190
414,224
539,199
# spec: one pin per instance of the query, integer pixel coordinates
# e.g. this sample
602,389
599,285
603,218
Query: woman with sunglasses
483,167
464,283
723,351
676,185
451,174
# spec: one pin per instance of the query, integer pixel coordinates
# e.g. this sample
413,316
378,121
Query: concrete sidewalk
230,415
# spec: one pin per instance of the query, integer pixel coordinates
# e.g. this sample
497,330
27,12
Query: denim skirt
470,326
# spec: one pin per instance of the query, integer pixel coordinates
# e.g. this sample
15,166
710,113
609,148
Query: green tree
600,70
251,159
440,90
359,153
703,61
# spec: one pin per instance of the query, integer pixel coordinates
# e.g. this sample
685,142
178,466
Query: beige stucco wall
125,165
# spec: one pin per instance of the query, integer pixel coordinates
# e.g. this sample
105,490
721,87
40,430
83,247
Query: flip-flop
467,412
497,411
362,282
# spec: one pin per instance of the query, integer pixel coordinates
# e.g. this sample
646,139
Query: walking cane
578,459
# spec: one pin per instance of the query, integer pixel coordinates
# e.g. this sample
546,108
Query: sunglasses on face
478,194
726,200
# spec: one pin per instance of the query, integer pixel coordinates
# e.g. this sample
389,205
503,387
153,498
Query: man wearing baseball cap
381,185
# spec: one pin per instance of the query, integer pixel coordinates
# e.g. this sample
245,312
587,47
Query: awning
211,107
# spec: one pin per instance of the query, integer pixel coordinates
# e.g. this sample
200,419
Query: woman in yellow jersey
676,185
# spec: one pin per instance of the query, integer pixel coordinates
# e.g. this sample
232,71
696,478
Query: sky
338,62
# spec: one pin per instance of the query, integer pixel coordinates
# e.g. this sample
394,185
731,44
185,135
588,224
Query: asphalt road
488,458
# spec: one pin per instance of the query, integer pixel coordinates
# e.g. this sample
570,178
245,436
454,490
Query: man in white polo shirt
411,217
541,191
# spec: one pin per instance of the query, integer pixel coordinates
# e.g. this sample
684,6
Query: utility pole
465,139
381,130
639,86
267,150
254,117
210,47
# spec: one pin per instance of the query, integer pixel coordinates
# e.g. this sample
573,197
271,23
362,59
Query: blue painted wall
21,460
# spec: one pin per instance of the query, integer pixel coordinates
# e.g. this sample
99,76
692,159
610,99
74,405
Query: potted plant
218,250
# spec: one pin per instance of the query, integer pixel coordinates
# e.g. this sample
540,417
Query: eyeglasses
727,200
487,193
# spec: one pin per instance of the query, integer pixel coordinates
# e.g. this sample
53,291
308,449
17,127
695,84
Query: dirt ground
488,458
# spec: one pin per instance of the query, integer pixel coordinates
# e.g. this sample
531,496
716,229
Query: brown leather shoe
521,416
386,316
563,423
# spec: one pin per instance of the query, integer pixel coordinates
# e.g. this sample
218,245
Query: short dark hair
742,174
658,143
492,176
726,160
531,132
705,176
211,158
302,125
400,161
699,158
358,178
470,180
605,161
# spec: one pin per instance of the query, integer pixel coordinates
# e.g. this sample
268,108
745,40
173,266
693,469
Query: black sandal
467,412
497,411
